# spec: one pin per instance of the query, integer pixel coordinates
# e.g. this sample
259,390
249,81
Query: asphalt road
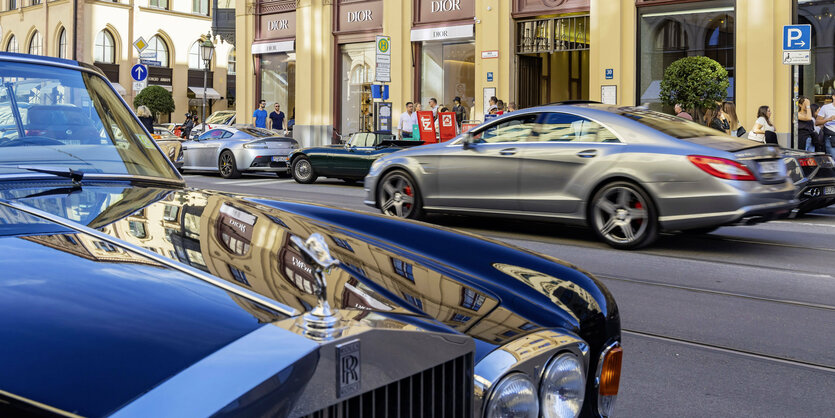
740,322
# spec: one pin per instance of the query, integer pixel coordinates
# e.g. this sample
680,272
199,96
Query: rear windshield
670,125
221,118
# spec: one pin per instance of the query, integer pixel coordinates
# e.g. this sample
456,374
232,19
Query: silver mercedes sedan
232,151
627,172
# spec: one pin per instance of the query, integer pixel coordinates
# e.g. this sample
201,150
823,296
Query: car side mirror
467,141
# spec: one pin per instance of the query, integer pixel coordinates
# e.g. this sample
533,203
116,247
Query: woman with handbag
805,125
762,124
736,128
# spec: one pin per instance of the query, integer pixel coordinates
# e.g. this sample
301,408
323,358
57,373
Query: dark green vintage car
349,162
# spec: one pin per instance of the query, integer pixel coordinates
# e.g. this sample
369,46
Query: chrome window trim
599,371
497,365
165,261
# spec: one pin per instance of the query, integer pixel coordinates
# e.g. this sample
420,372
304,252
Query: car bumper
262,160
369,185
816,195
699,205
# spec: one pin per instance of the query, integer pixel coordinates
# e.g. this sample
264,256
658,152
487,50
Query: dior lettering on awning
445,5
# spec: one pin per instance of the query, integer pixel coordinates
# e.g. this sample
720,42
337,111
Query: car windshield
670,125
220,118
66,118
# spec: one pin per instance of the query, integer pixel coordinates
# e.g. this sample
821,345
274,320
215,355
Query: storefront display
668,33
274,50
356,78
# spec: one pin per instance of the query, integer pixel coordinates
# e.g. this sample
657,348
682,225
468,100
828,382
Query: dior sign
445,5
360,16
279,24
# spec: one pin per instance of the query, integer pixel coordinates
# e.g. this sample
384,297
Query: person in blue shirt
259,116
277,118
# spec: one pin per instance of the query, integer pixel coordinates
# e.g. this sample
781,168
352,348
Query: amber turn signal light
610,374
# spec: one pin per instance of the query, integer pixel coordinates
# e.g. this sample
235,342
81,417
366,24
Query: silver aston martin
627,172
232,151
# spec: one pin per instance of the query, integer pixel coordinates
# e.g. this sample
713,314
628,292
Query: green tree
697,83
156,98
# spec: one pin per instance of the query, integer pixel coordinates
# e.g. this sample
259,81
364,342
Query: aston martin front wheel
303,171
397,195
227,166
624,216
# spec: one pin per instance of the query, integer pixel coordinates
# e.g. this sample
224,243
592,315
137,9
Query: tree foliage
156,98
695,83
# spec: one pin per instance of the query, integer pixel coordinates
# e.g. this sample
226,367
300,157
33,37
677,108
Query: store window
817,80
278,81
447,71
668,33
357,76
105,49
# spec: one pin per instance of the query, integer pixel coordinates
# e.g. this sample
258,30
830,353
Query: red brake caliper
638,205
408,191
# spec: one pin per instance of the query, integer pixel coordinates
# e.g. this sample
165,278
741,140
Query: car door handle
508,151
589,153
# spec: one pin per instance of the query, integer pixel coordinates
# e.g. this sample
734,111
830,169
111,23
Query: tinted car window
509,130
213,134
564,127
670,125
257,132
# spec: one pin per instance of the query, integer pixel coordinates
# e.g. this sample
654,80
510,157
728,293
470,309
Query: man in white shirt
407,121
433,104
826,118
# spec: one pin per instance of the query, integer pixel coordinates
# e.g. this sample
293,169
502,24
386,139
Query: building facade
103,33
317,57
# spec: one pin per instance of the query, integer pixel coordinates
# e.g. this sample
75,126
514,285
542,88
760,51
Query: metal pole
795,142
205,80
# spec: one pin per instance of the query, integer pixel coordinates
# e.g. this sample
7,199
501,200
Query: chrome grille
445,390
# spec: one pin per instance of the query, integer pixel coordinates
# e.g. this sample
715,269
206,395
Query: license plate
277,159
829,190
769,167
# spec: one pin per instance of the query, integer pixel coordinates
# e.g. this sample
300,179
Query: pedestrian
433,104
511,107
494,101
418,107
826,118
277,118
407,120
195,122
259,116
460,111
186,128
681,113
805,125
736,128
146,118
762,125
714,120
500,107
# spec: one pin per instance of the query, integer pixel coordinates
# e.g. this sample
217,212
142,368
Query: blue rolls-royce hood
485,289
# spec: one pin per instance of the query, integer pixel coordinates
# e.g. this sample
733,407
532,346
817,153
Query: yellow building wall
493,29
613,37
314,72
245,72
397,23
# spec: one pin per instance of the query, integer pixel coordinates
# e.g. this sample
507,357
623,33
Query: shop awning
169,88
273,47
119,89
211,93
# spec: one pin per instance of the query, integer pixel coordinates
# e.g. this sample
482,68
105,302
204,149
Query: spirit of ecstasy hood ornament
323,322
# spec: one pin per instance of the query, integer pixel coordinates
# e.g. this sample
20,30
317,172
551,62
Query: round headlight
514,396
563,387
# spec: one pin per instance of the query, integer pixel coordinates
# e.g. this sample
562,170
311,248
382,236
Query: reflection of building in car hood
234,228
566,294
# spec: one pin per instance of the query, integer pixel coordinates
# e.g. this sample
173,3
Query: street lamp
207,49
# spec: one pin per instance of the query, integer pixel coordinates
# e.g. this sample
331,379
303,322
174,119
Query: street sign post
139,72
382,73
797,45
150,62
140,85
140,44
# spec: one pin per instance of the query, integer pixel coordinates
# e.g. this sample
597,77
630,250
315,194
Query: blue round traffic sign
139,72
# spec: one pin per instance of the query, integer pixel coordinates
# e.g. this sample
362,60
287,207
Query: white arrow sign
139,72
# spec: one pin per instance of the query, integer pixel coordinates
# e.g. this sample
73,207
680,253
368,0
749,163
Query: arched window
159,46
62,44
105,49
671,36
36,44
195,61
12,45
230,63
719,41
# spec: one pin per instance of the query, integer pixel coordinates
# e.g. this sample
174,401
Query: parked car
349,162
232,151
813,175
171,145
627,172
133,295
217,119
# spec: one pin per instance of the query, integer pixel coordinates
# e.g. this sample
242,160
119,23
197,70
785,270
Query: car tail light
722,168
807,162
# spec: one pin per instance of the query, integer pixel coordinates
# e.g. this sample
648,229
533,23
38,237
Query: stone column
613,36
314,72
245,65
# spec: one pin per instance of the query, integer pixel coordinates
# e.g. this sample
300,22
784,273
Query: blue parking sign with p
797,37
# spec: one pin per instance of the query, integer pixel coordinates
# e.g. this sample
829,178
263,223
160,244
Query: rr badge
348,368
